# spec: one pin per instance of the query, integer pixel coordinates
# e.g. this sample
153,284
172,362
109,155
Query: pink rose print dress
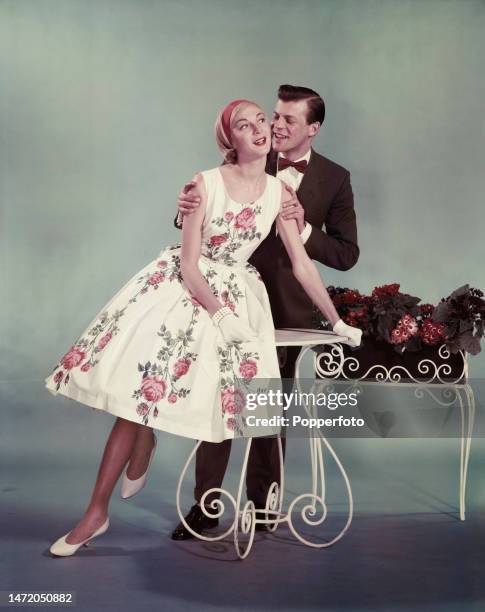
153,355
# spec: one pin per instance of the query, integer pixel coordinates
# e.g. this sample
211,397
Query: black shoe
262,526
197,521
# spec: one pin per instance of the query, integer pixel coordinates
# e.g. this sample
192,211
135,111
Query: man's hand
292,209
188,199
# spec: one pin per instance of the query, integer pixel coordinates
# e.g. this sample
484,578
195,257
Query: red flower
227,301
86,367
431,333
73,358
406,327
181,367
232,400
58,376
156,278
248,368
245,219
426,310
349,297
162,264
153,388
218,240
360,312
104,340
231,423
229,216
142,409
410,324
386,290
399,335
172,398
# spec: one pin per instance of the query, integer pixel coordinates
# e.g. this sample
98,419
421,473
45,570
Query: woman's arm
231,327
303,267
191,244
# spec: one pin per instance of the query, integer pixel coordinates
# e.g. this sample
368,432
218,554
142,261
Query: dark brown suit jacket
326,195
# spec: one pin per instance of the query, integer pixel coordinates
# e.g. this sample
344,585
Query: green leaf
470,343
460,291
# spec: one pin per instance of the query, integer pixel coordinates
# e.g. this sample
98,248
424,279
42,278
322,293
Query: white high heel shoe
131,487
61,548
353,333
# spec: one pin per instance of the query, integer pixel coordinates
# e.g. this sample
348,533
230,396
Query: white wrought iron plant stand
332,365
314,512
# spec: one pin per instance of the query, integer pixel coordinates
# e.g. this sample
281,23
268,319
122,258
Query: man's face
290,129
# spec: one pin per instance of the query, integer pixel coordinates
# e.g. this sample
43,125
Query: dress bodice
232,231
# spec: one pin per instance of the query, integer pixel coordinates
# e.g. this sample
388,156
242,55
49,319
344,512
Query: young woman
167,351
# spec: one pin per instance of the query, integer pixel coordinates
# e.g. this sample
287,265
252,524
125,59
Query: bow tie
284,163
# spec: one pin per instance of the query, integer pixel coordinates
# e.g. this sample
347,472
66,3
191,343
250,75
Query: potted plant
404,339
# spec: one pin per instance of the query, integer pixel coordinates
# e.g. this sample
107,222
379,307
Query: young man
320,194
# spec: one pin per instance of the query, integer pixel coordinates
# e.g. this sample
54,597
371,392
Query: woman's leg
140,455
117,452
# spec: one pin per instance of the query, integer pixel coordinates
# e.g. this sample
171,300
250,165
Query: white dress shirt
293,178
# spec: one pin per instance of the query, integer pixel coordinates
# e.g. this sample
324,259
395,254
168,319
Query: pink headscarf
226,115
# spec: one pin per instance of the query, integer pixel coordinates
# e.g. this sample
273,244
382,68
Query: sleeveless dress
152,354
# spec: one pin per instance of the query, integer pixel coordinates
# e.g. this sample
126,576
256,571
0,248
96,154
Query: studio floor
406,548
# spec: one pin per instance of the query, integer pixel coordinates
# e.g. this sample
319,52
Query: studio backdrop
107,108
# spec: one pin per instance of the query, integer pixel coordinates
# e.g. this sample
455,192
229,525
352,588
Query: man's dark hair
315,103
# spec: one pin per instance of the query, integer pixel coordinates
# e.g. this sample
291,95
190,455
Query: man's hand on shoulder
189,198
292,209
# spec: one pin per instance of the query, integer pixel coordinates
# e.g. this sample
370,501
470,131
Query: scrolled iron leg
318,477
467,422
247,516
217,506
274,500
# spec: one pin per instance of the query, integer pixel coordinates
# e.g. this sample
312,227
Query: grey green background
106,108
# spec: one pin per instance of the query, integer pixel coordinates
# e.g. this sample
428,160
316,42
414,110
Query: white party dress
152,354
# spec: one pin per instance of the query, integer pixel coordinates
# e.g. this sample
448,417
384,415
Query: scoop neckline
242,203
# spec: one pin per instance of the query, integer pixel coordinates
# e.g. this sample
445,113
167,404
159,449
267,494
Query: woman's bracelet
220,314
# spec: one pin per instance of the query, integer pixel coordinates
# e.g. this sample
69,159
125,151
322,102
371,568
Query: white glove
353,333
232,329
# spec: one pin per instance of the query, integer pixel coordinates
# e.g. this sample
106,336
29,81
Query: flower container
403,340
377,360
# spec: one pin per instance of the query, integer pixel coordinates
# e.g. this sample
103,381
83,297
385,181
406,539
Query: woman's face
250,132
